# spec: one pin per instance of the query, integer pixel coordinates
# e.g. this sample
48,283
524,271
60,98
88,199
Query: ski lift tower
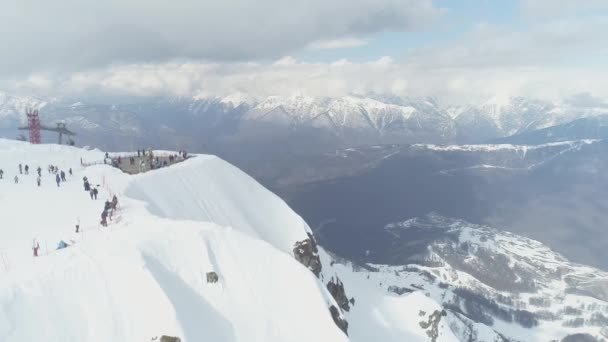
33,125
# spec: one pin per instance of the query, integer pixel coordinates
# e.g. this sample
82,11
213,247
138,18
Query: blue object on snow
62,245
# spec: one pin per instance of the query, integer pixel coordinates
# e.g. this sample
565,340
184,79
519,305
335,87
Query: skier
39,170
70,171
62,176
16,179
95,192
27,170
35,247
92,193
107,206
87,186
20,169
1,173
38,180
57,179
104,222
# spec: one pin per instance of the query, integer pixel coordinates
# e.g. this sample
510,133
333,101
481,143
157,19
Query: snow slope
145,275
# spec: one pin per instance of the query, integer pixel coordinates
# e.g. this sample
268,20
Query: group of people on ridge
108,210
60,175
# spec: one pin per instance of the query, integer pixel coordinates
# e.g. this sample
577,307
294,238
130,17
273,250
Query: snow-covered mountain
197,250
201,251
348,119
493,286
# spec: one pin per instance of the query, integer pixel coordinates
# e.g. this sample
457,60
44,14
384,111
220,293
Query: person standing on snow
104,215
57,179
38,180
16,179
39,170
95,192
62,176
20,169
70,171
107,208
114,202
35,247
92,193
27,170
1,173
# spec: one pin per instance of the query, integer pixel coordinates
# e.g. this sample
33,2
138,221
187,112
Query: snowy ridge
147,273
502,147
517,286
383,117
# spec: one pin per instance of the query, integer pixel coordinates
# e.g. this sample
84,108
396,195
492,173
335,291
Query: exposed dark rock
165,338
432,324
340,322
212,277
336,289
307,253
399,290
579,338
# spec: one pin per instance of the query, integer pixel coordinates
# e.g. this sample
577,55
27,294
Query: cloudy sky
460,51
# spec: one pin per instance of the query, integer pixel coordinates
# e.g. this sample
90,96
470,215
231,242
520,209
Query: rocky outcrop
338,319
432,324
212,277
336,289
165,338
307,253
579,338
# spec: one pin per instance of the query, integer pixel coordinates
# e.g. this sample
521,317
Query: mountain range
217,124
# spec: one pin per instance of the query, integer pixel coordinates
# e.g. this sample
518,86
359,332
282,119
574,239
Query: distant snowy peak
346,112
239,99
14,107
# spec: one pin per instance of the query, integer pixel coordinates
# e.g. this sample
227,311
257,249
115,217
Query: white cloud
337,44
219,48
42,35
454,85
555,42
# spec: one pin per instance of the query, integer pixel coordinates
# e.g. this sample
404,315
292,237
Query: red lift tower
33,125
